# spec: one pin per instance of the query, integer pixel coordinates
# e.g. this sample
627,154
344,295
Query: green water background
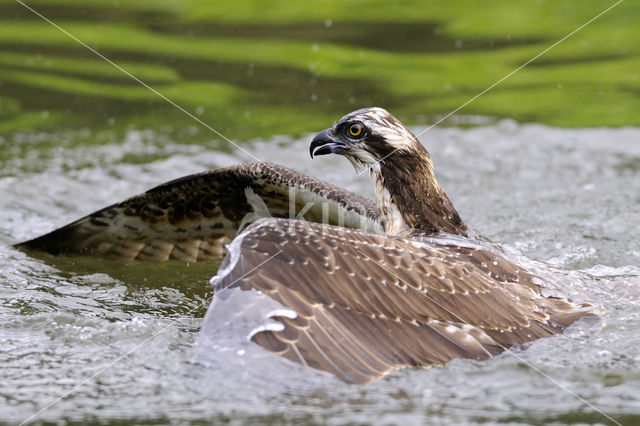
255,69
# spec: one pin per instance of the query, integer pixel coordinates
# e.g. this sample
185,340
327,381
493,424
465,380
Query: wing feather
193,217
368,304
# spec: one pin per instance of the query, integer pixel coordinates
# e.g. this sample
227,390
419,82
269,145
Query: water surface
565,196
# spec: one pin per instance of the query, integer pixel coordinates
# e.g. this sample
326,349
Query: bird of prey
351,286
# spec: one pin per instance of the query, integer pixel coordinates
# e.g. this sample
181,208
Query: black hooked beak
326,144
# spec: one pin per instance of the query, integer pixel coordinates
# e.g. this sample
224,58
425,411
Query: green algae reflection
255,69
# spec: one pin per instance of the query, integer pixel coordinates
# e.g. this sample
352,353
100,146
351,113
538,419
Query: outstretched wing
360,305
193,217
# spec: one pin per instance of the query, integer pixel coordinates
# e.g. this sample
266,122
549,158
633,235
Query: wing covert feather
369,304
192,218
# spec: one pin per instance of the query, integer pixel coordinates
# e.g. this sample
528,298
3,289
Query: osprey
336,282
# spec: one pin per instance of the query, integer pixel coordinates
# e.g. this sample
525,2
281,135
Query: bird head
367,137
407,193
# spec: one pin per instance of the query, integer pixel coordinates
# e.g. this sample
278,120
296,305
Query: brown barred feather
364,320
193,217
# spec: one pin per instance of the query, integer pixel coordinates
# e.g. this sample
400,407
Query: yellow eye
355,130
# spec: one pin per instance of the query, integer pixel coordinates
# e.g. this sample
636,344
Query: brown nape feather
408,176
